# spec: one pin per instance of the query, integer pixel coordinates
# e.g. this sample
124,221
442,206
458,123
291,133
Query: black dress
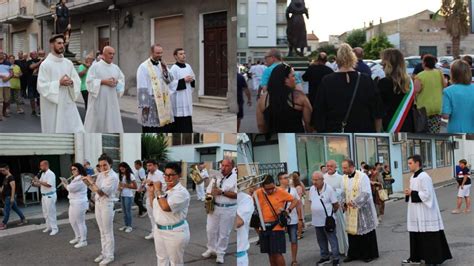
314,75
390,103
333,99
291,120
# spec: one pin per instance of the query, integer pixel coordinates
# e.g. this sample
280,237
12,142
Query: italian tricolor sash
162,98
402,111
351,212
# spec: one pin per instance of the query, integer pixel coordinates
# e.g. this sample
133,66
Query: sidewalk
204,120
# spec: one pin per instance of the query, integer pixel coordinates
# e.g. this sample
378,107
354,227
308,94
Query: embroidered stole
352,212
161,96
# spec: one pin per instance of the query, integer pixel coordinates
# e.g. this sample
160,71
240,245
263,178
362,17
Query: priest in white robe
424,222
361,216
105,84
59,85
155,113
181,92
334,179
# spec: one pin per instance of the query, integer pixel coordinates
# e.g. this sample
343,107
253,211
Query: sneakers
22,222
456,211
123,228
3,226
74,241
220,259
322,261
81,244
106,261
99,259
208,253
145,214
54,232
46,230
128,229
150,236
20,111
335,263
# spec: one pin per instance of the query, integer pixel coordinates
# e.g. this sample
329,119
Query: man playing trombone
169,211
47,185
220,222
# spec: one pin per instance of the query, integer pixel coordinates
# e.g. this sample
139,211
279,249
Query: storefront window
372,149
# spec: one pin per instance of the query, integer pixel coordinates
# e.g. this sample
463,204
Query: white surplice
424,216
335,181
103,110
181,100
59,112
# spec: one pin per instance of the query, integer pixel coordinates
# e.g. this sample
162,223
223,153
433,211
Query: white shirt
228,183
335,181
50,178
141,176
181,100
155,177
424,216
108,183
294,212
77,190
127,192
245,208
178,199
328,196
204,173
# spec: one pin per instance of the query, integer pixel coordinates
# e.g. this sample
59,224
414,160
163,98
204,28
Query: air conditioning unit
399,137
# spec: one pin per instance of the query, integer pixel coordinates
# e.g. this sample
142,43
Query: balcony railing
16,8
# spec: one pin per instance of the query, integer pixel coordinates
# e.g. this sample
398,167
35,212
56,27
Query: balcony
16,11
47,7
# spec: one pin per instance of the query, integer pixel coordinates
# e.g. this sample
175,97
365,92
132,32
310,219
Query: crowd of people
166,200
53,84
345,96
345,212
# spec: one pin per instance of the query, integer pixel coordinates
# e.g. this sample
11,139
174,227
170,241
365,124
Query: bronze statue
62,23
296,28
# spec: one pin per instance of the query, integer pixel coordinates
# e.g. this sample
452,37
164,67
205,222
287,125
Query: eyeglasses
169,175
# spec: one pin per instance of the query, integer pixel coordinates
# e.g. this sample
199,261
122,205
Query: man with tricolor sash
361,216
155,113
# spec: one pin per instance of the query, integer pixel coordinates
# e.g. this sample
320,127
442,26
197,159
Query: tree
455,13
329,49
154,146
376,45
356,38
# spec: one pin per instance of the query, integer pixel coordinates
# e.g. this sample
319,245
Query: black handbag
255,219
420,119
330,223
282,217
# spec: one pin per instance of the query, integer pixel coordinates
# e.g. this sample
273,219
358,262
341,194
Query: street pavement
248,124
204,120
27,245
392,236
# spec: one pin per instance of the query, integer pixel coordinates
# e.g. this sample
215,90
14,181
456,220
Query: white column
287,150
130,148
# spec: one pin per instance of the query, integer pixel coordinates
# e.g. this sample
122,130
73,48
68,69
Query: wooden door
215,54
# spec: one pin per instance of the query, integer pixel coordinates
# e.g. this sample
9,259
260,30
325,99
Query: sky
334,17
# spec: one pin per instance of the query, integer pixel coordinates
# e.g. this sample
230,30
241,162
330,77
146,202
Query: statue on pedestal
62,25
296,28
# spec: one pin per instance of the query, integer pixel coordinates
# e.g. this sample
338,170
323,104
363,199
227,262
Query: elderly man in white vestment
59,85
105,84
181,92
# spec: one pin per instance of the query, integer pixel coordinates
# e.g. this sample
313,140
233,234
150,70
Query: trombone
247,182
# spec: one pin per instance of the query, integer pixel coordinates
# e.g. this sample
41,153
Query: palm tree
455,13
154,146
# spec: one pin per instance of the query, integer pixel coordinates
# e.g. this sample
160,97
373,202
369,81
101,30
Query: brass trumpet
195,175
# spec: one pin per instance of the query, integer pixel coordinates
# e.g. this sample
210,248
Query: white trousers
104,214
149,211
200,191
219,226
243,261
77,219
170,245
48,204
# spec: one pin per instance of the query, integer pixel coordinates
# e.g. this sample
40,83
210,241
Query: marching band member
78,205
201,195
220,222
105,189
169,210
245,208
47,185
154,175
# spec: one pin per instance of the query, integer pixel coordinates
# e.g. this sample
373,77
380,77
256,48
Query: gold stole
162,98
352,212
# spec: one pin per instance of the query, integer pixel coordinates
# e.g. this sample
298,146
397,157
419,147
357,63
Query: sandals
467,211
294,263
456,211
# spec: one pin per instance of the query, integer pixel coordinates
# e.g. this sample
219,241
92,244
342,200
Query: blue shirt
5,68
363,68
268,72
458,103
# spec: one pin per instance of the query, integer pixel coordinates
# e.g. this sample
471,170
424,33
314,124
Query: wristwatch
162,196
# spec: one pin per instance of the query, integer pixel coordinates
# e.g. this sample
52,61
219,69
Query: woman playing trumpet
78,205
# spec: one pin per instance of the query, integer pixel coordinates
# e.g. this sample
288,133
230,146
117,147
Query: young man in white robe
59,85
105,84
361,216
424,221
155,113
181,91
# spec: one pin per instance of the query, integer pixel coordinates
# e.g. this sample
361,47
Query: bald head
44,165
359,52
331,166
318,179
322,58
108,54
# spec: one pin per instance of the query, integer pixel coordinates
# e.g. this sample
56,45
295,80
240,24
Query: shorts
292,231
272,242
32,92
465,191
240,114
